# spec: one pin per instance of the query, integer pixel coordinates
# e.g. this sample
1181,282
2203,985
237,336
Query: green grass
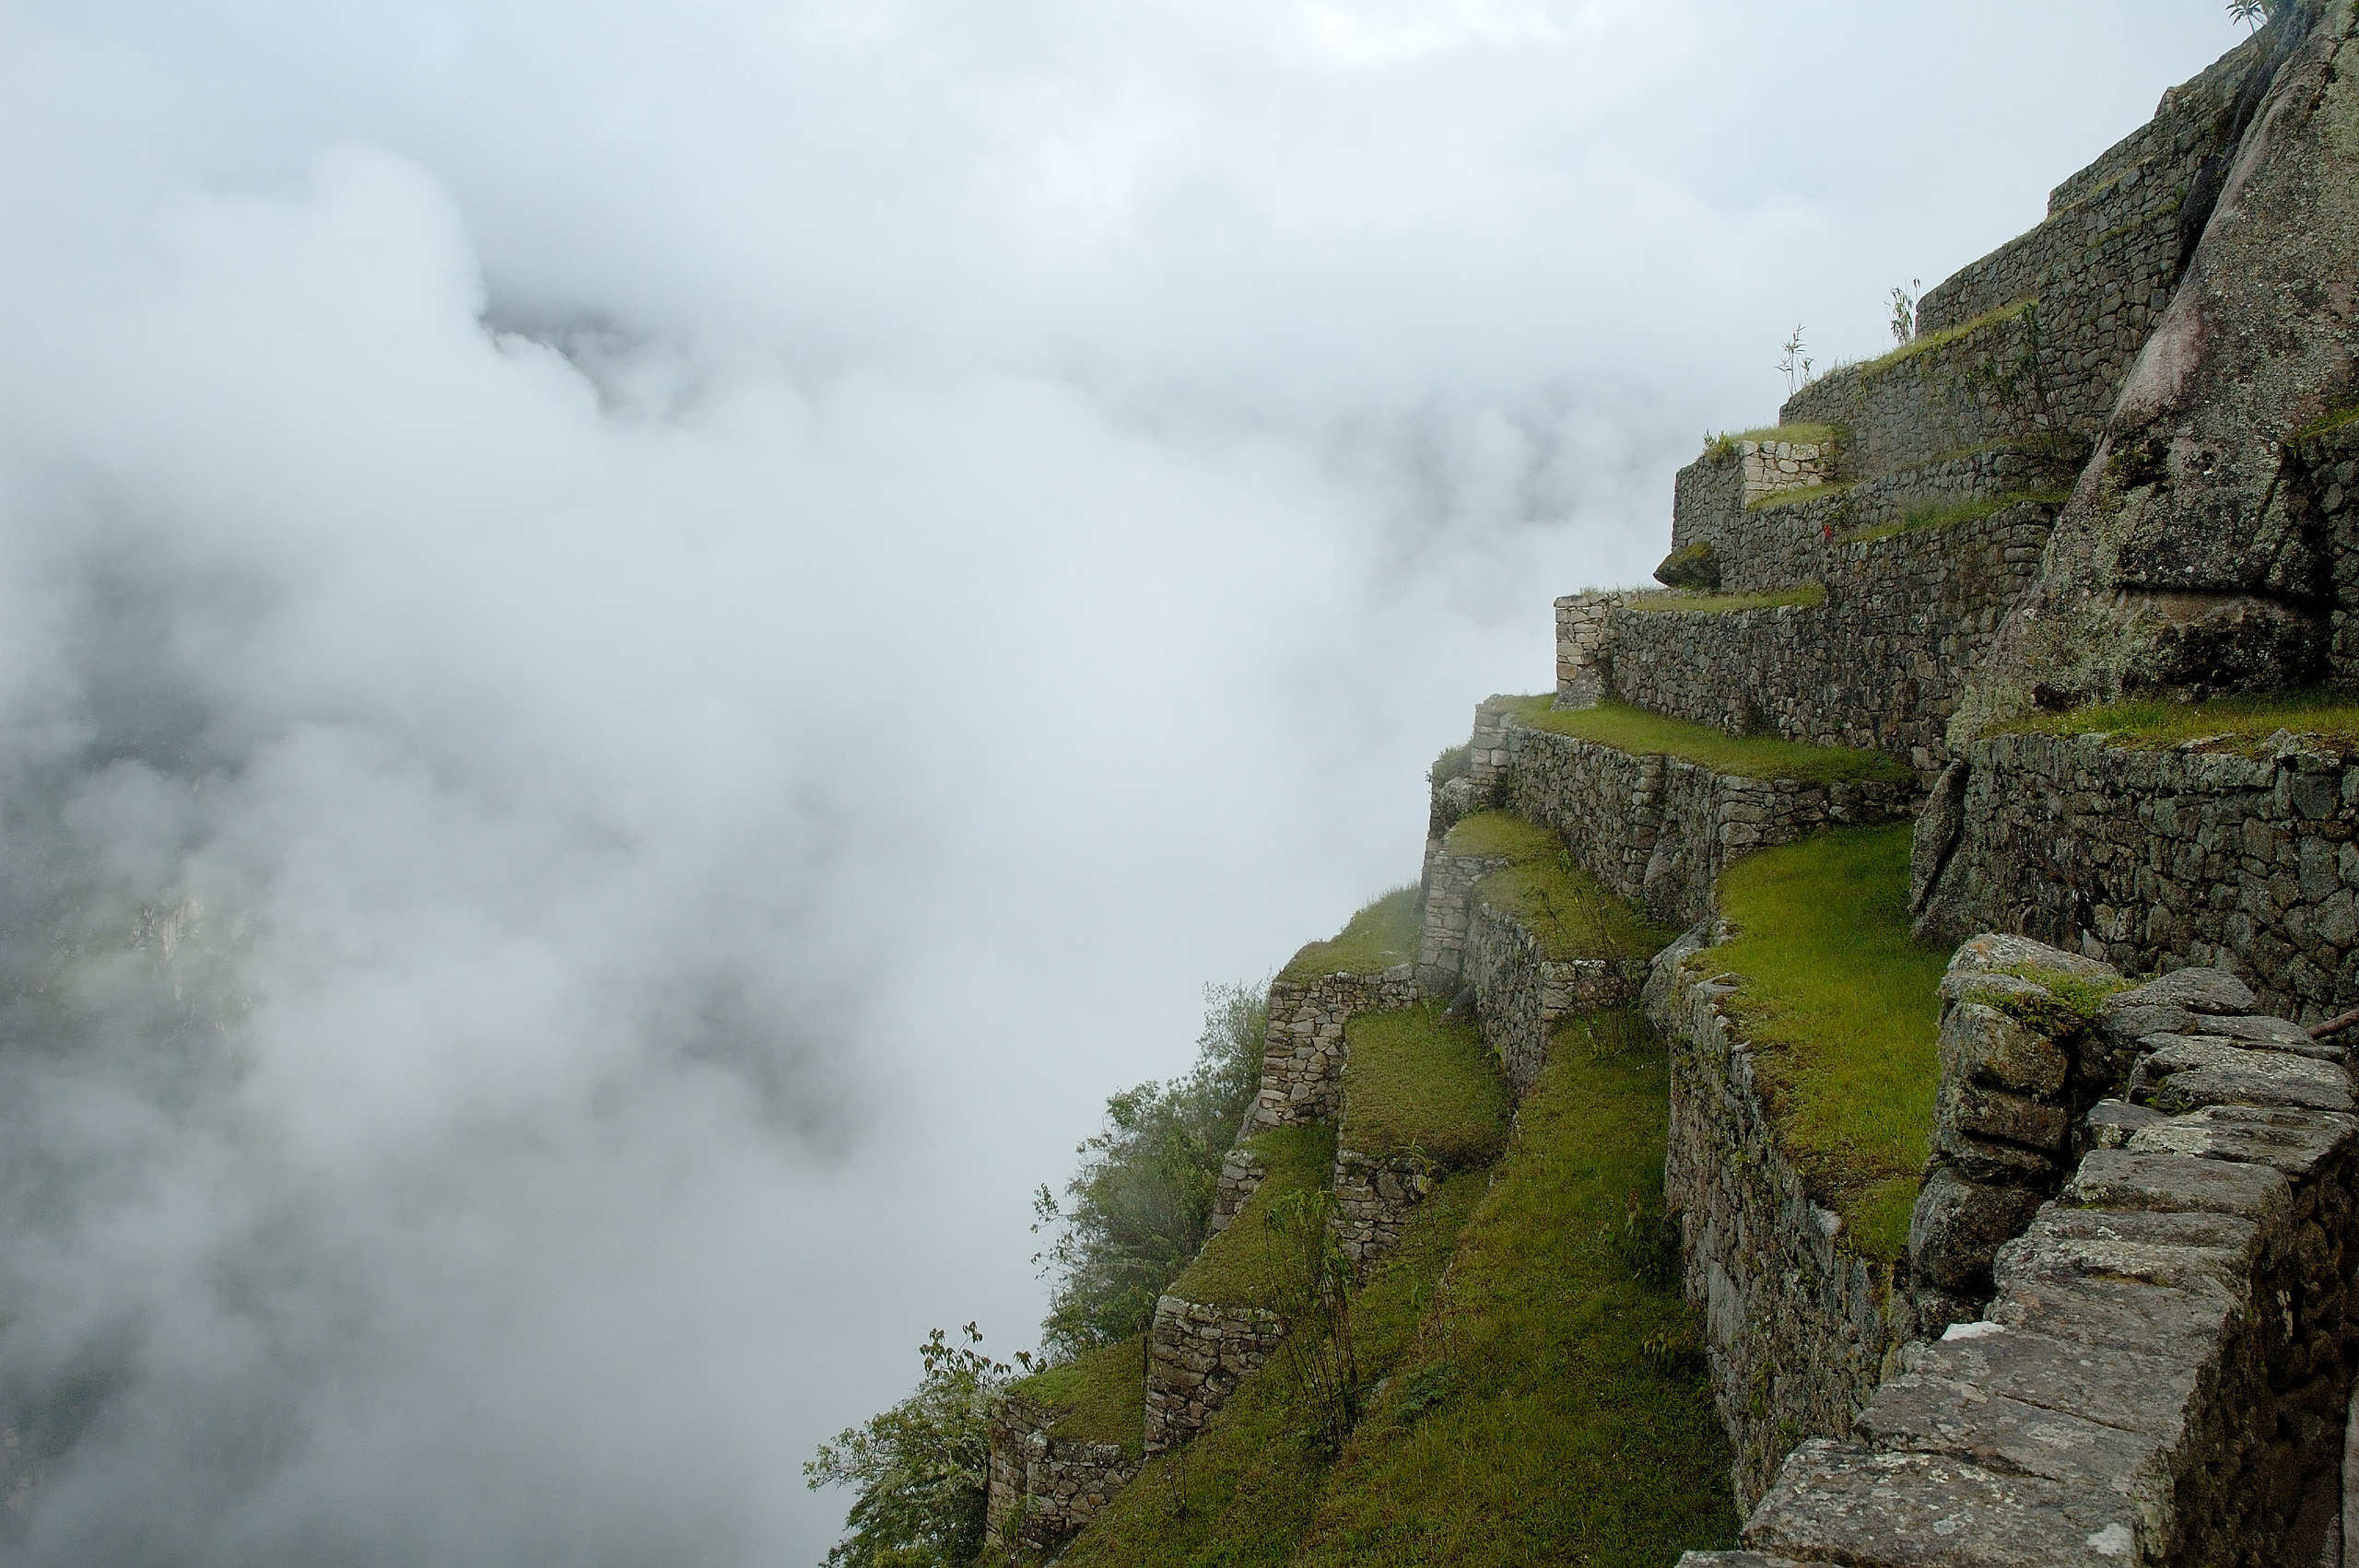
1529,1424
1415,1080
1240,1266
1809,596
1928,342
1523,1418
2241,723
1938,514
1100,1396
1567,910
1801,496
1244,1492
1726,442
1383,933
1843,1009
2326,424
1636,731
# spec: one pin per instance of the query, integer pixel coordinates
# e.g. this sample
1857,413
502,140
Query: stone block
2181,1073
2111,1122
1923,1413
2197,990
1957,1226
1991,1114
2118,1178
2128,1388
1843,1503
2294,1141
1997,951
1985,1045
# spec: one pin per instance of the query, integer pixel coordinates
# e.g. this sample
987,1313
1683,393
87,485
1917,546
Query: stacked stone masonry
1522,995
1798,1326
1659,830
1446,919
2160,859
1880,664
1197,1355
1302,1061
1042,1490
2164,1373
2324,498
1373,1198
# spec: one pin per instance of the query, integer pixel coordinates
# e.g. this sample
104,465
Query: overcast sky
643,648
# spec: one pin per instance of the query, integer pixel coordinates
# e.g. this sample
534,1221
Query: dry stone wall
1659,830
1520,995
1197,1355
1798,1326
1881,664
1373,1199
2323,496
1041,1489
2160,859
1448,904
2164,1373
1302,1060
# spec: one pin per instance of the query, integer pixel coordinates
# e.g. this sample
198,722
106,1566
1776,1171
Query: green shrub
1138,1208
921,1468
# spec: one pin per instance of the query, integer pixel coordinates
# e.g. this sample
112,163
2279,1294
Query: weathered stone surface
1734,1560
1926,1413
2116,1178
1841,1502
1995,952
2181,1073
2196,990
2111,1122
1041,1492
2051,1291
2121,1388
2294,1141
1958,1227
1938,821
1991,1114
1983,1045
1197,1355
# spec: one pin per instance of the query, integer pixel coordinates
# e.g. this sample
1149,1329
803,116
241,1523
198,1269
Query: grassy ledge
1567,910
1943,339
1415,1080
2227,723
1935,516
1725,444
1383,933
1552,1409
1634,730
1241,1267
1808,596
1842,1010
1100,1396
1535,1394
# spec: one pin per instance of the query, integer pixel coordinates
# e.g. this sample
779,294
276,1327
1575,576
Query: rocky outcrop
2180,564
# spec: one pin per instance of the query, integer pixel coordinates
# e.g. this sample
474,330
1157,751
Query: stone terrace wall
1448,902
1881,664
2323,496
1302,1056
2153,861
1197,1355
2104,263
1797,1327
2162,1377
1045,1488
1659,830
1583,623
1789,543
1986,388
1521,996
1372,1202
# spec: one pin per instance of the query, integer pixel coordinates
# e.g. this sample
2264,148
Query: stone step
1842,1503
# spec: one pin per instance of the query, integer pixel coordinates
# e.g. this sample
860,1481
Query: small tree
1904,313
922,1467
1138,1208
2252,13
1312,1286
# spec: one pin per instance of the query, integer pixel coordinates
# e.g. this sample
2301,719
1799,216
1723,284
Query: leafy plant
1797,364
922,1467
1138,1208
1311,1285
1904,313
2252,13
1646,1242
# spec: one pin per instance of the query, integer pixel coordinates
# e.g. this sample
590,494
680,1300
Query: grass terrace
1100,1396
2226,723
1927,342
1933,518
1807,596
1843,1009
1725,444
1414,1079
1617,724
1383,933
1567,910
1535,1391
1242,1265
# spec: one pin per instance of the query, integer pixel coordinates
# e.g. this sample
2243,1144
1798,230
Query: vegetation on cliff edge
1383,933
1842,1008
